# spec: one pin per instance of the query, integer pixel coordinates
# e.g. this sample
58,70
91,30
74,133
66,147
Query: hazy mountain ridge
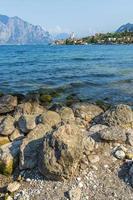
14,30
126,27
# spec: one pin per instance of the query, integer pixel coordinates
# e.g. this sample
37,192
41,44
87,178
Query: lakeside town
99,38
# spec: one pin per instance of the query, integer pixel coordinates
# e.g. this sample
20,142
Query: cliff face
127,27
14,30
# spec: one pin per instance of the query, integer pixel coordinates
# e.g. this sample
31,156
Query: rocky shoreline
58,152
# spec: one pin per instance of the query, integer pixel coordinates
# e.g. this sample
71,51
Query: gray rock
31,146
62,152
119,154
86,111
7,126
7,103
113,133
26,123
94,131
120,115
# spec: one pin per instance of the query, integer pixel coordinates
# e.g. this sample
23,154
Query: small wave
103,75
79,59
88,59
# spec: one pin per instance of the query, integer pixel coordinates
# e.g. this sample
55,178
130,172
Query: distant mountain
61,36
14,30
127,27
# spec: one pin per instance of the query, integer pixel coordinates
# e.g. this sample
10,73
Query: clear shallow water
92,72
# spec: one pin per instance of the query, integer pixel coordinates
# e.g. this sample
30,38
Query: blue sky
81,16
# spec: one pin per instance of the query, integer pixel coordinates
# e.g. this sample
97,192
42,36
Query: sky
83,17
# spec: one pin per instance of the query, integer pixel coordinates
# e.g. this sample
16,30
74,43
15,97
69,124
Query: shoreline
58,151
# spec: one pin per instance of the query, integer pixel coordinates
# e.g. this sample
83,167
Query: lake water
92,71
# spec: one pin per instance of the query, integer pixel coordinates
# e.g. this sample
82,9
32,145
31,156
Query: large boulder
9,154
7,126
51,118
61,153
66,114
7,103
114,133
86,111
26,123
31,146
120,115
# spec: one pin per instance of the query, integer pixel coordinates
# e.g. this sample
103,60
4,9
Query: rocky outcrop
7,103
61,153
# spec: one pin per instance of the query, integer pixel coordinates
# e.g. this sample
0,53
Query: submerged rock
86,111
7,103
9,154
31,145
62,152
7,126
45,98
120,115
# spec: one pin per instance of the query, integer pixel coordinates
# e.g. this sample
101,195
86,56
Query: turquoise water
92,72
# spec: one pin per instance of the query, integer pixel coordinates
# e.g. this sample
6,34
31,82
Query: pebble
81,185
120,154
28,180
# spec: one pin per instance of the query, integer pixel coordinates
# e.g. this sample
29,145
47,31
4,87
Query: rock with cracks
30,146
62,152
120,115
